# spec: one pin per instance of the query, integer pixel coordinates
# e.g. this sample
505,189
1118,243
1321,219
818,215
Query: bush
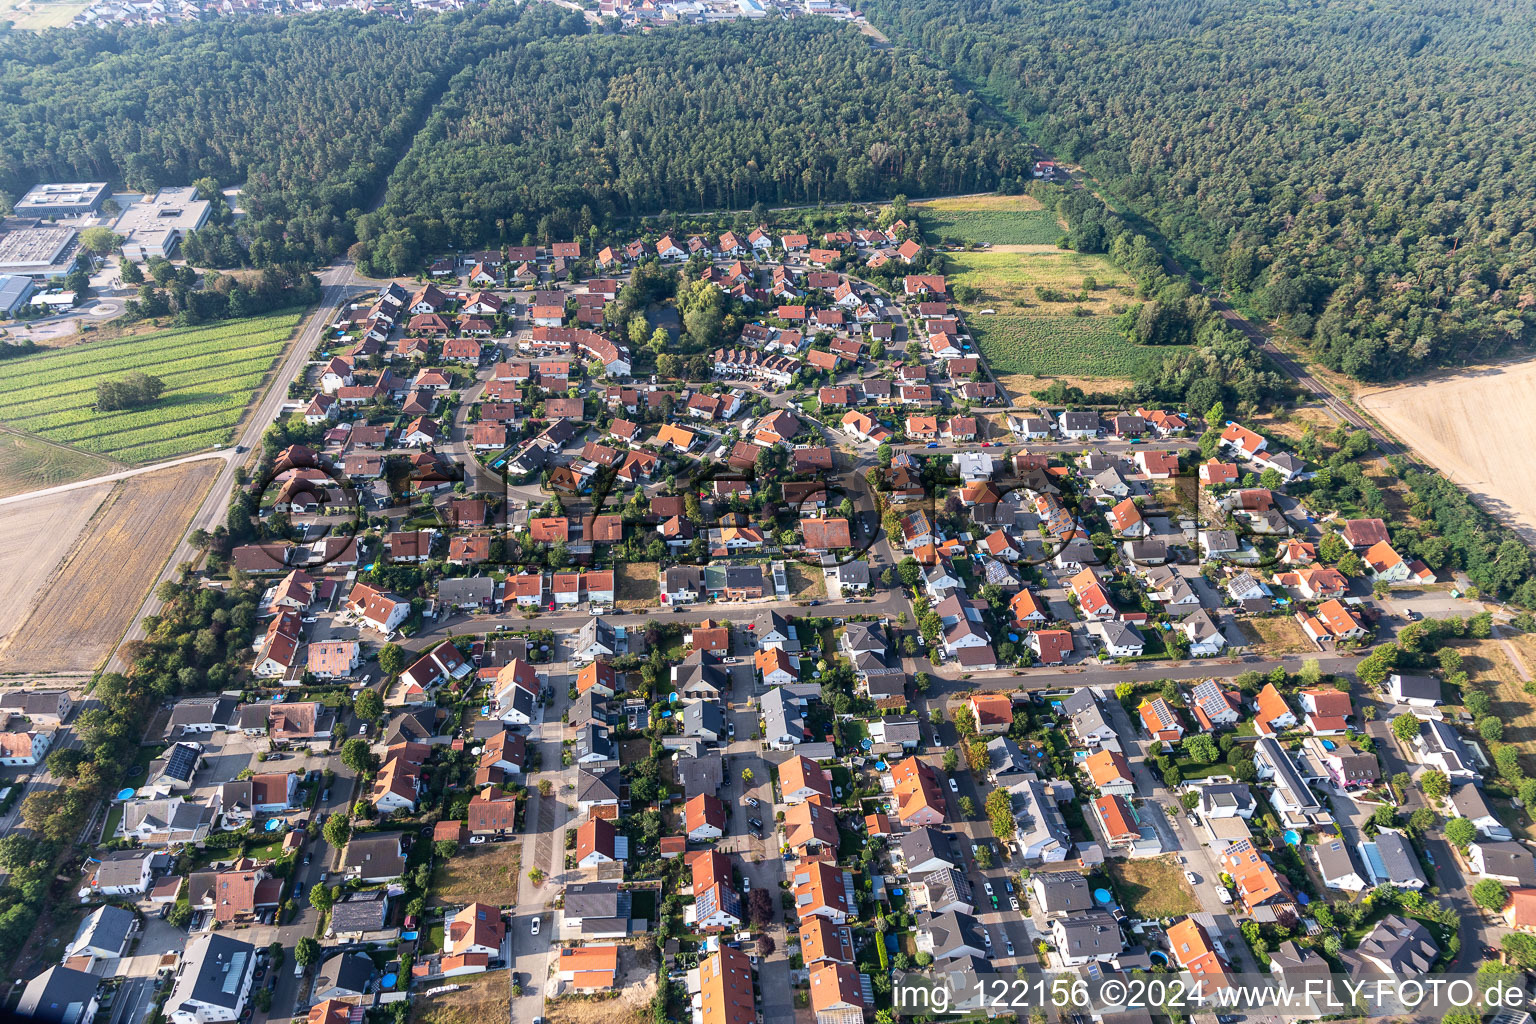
1490,894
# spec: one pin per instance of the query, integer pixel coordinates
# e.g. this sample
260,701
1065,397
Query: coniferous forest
1362,171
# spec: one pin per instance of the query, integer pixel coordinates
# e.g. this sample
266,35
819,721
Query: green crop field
1062,346
211,374
992,227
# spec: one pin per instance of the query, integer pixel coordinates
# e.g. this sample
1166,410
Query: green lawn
1064,346
210,375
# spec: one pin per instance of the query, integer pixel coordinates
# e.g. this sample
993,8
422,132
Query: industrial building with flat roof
156,226
62,199
15,290
39,253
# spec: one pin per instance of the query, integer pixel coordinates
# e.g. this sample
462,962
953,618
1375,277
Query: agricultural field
36,15
46,528
1009,281
90,599
989,220
210,375
1061,347
30,464
1448,420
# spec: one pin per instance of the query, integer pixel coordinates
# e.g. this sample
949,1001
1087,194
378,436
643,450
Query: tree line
1359,172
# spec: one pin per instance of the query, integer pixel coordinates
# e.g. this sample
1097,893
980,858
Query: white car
987,886
1013,901
1189,876
1223,895
954,787
535,929
476,840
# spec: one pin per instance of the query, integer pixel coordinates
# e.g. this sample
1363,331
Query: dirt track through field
1470,426
93,594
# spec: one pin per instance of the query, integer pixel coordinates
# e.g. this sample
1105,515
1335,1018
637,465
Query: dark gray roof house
213,979
1397,946
1061,892
590,707
365,910
951,934
598,907
60,995
702,774
926,849
597,787
704,719
344,975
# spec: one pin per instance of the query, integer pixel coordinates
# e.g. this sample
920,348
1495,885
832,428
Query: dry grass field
1010,204
483,874
637,586
1152,887
1456,422
30,464
1278,635
479,999
93,595
45,529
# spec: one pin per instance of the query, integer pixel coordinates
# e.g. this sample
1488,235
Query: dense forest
307,114
563,134
1362,171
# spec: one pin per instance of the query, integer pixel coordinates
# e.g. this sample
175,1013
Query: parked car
954,787
535,928
1189,876
476,840
1013,903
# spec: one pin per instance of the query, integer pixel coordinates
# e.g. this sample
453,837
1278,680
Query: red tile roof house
1326,711
1273,712
704,818
1051,646
1160,720
826,534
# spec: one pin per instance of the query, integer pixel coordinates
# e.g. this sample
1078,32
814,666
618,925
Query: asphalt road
337,284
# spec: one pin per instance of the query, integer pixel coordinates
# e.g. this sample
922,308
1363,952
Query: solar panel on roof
181,762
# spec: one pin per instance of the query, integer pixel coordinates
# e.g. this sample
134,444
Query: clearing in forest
101,583
988,220
1451,423
210,374
1054,314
